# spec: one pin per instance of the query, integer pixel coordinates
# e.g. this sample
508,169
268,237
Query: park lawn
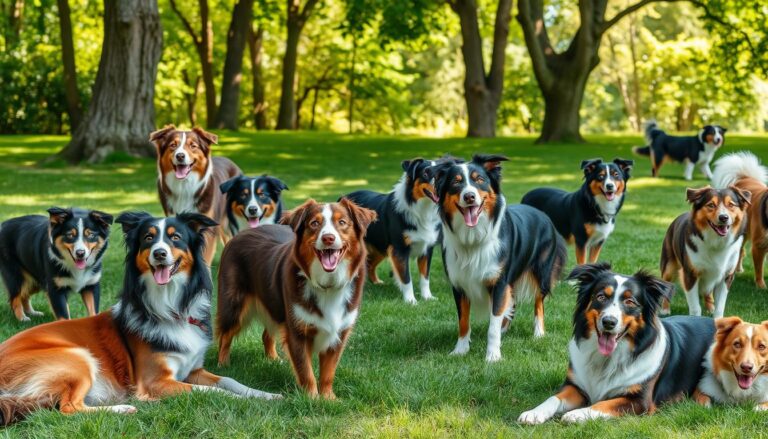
396,377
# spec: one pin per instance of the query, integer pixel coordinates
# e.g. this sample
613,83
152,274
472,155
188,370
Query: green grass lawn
396,378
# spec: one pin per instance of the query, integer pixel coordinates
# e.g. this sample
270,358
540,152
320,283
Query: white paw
25,319
428,296
493,355
410,300
538,330
34,313
532,417
761,408
462,347
253,393
582,415
123,409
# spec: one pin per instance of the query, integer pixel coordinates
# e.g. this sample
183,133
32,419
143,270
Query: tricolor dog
60,254
494,255
151,344
302,281
703,246
253,201
624,359
189,179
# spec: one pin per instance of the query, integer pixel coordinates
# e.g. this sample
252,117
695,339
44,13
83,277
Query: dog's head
78,237
329,236
183,153
419,180
741,348
253,199
163,250
470,192
719,210
613,308
713,135
607,179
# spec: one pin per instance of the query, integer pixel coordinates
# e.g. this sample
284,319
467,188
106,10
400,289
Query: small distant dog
694,151
189,178
587,216
735,365
744,171
58,254
623,358
303,283
150,345
704,245
253,201
494,255
408,224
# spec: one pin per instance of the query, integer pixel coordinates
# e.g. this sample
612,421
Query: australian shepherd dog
624,359
253,201
494,254
151,344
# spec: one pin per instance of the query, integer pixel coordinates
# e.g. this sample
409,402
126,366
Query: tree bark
482,91
239,27
191,98
297,18
122,112
255,42
353,61
204,46
74,107
15,20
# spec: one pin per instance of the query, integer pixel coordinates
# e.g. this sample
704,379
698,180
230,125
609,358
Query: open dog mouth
606,343
744,381
471,214
80,263
329,258
720,229
163,273
253,221
609,195
182,171
431,195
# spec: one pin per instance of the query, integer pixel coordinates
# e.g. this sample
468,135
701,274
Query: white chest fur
182,191
601,232
77,279
602,377
423,214
715,257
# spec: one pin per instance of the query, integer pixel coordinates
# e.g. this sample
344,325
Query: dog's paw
428,296
532,417
583,415
761,407
25,319
493,356
377,282
259,394
462,347
122,409
34,313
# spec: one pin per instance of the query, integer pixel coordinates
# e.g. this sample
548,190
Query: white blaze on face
328,228
607,341
718,137
162,267
181,149
468,188
723,211
253,204
80,263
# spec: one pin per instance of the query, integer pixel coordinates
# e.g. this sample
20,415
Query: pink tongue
721,230
329,259
745,381
610,196
163,274
471,215
606,343
253,223
80,264
182,171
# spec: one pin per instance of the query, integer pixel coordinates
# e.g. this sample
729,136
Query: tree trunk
15,20
561,112
191,98
255,42
314,107
239,27
286,117
122,112
353,61
74,108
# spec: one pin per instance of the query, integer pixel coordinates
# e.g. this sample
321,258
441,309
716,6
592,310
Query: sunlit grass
396,378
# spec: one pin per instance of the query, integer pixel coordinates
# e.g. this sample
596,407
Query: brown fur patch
733,347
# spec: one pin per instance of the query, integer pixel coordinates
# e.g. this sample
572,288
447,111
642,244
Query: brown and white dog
151,344
702,246
744,171
188,178
304,283
735,365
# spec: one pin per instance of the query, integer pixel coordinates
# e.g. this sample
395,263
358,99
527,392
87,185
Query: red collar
193,321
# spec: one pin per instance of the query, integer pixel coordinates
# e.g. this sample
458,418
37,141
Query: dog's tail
15,408
737,165
651,130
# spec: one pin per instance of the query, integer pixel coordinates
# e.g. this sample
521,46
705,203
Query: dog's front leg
568,398
636,404
706,170
689,167
203,380
501,297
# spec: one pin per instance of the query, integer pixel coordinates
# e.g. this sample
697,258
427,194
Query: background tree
122,112
74,107
239,27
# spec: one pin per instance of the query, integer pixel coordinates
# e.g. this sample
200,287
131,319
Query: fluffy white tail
736,165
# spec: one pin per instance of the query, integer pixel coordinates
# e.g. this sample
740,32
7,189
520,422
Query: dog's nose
609,322
180,156
253,210
80,253
747,367
723,218
328,239
610,186
160,254
469,198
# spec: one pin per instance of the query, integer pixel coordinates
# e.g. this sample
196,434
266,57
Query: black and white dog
58,254
494,254
253,201
698,150
624,359
587,216
408,225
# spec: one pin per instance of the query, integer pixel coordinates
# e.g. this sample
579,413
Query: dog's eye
479,180
193,145
711,205
315,224
456,182
731,205
175,237
616,174
424,176
69,235
761,347
630,303
737,344
148,237
601,297
342,222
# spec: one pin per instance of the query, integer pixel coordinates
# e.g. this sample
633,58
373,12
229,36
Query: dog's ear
625,166
440,171
725,325
207,138
655,288
412,166
587,273
296,217
590,165
196,221
724,129
58,215
131,220
275,184
361,216
159,137
227,185
745,196
101,218
491,162
695,196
